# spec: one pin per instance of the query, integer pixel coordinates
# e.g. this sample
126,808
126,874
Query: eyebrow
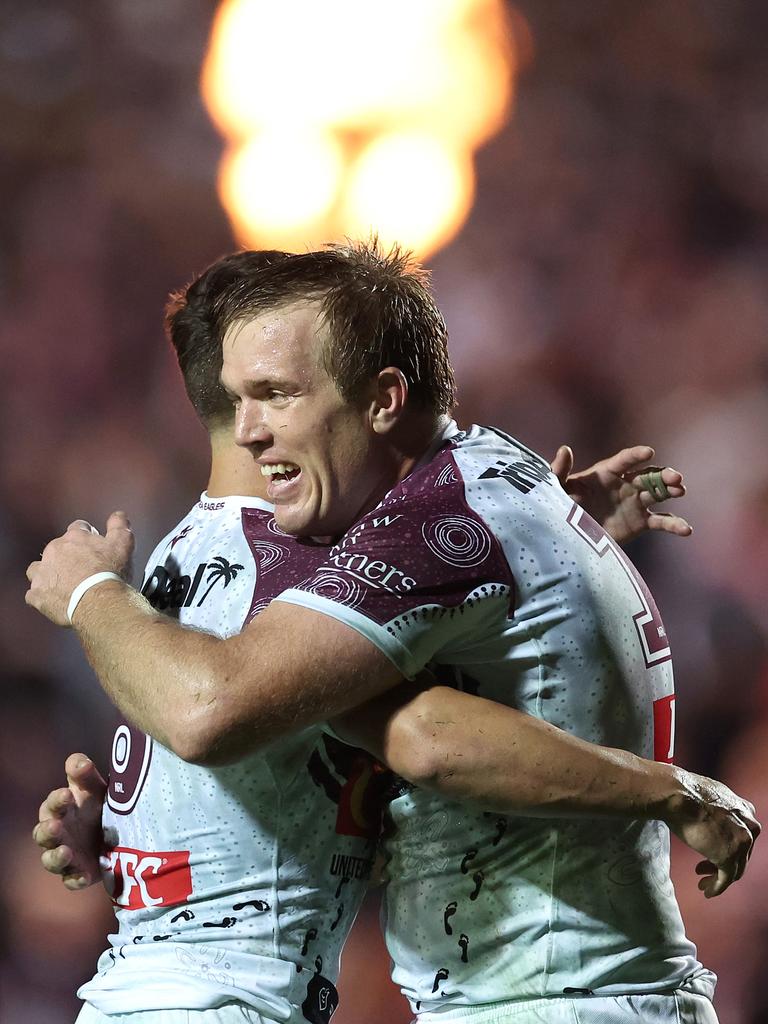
262,383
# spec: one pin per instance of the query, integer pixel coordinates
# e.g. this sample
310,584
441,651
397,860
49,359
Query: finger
749,818
673,478
648,498
58,860
562,464
75,882
658,484
82,524
83,774
705,867
669,524
56,804
629,460
32,570
723,880
118,521
743,855
651,480
47,834
716,882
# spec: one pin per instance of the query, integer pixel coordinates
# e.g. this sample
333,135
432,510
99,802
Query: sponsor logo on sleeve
523,474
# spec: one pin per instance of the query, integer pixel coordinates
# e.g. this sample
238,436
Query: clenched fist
72,558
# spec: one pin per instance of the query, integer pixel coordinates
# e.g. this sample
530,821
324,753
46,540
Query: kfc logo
142,879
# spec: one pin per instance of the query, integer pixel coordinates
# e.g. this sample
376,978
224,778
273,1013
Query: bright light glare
411,189
361,73
280,180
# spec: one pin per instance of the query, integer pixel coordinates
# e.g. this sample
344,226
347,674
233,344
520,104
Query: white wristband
85,586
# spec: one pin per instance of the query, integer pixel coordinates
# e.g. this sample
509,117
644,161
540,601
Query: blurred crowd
610,288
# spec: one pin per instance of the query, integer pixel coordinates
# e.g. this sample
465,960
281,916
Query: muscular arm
471,749
467,748
212,701
208,700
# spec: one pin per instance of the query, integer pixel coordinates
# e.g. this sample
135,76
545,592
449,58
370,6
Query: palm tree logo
221,569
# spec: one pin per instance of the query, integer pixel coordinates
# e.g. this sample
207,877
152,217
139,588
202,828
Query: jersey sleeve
422,576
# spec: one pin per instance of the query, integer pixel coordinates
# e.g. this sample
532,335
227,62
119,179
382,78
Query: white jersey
239,882
480,565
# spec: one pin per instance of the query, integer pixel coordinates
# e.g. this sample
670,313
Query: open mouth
280,472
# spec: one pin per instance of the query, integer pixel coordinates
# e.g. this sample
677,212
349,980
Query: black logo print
227,922
448,913
441,975
478,878
322,997
464,946
339,912
260,905
166,588
522,474
466,860
184,915
309,937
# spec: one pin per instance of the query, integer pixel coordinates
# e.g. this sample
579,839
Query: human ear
389,398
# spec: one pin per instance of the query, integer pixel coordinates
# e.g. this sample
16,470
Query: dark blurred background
608,288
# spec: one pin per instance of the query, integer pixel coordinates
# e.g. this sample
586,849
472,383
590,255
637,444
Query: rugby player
492,575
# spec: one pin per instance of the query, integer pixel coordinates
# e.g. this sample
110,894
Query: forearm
213,701
160,675
471,749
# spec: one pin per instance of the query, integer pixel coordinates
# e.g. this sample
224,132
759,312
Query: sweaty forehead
275,344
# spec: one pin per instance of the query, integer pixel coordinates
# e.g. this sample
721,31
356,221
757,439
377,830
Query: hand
77,554
615,492
714,821
69,826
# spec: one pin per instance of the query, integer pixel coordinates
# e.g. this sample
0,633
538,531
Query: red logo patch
143,879
664,729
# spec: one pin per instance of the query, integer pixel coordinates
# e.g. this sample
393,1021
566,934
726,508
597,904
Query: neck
409,443
418,438
233,470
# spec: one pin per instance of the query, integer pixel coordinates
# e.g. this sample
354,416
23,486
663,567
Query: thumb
118,521
562,464
84,778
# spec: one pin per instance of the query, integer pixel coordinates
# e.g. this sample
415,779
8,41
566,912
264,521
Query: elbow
416,742
196,738
204,734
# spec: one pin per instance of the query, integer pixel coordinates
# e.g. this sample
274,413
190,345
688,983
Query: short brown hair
378,307
191,318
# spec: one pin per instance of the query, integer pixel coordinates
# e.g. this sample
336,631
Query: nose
250,425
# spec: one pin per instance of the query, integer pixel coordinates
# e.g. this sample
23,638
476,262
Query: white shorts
682,1006
235,1013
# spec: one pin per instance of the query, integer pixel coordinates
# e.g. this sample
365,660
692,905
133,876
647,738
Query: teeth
280,468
